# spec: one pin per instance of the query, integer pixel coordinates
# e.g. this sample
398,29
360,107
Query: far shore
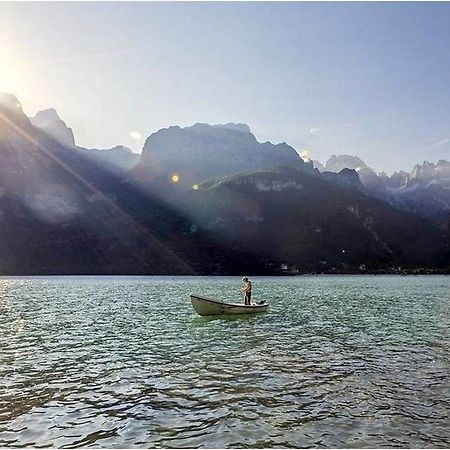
445,272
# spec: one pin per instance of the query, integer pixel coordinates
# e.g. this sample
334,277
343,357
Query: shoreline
277,275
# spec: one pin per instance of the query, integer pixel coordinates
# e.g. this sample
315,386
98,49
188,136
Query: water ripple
125,362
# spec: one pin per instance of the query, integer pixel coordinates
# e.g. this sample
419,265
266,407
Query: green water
353,361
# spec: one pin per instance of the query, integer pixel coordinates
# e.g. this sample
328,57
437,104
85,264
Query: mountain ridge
425,190
64,210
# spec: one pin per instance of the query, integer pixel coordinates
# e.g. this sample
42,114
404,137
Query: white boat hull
209,307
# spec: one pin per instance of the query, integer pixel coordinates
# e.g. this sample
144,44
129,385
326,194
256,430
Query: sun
11,77
16,76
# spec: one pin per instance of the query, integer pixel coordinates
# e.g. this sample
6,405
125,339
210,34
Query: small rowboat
209,307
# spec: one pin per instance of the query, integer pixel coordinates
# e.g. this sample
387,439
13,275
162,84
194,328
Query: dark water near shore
125,362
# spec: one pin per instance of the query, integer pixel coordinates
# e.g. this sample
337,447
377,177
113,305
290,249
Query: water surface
125,362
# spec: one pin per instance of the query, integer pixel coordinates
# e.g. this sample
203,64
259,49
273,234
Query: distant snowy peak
49,121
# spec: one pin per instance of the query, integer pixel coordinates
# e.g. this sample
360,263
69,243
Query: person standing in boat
247,290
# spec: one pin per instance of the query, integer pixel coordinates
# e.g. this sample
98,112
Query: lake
338,361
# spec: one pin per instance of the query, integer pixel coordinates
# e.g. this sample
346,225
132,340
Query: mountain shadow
295,221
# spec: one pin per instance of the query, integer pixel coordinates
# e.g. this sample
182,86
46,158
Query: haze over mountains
425,191
207,199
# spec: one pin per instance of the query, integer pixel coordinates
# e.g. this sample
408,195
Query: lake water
355,361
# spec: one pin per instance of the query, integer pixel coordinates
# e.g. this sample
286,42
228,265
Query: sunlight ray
136,226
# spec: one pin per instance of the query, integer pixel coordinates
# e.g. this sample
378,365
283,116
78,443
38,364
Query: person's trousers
248,296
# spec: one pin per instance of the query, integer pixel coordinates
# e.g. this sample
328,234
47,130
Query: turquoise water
356,361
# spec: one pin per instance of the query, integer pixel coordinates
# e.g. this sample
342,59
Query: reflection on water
125,362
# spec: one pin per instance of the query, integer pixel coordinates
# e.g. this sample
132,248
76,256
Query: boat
210,307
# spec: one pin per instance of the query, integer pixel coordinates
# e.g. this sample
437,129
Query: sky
366,79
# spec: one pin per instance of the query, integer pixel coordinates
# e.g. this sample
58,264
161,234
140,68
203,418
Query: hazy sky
370,79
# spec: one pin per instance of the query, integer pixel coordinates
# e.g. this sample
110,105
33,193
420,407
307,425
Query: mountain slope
62,213
425,191
116,159
288,217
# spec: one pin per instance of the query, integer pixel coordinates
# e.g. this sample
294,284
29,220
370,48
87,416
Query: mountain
116,159
336,163
429,173
318,165
202,152
62,213
346,177
295,221
50,122
425,191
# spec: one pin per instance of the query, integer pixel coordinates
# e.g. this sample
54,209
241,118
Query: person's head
245,279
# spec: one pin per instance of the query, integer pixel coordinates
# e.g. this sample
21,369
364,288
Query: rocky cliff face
398,180
50,122
201,152
427,173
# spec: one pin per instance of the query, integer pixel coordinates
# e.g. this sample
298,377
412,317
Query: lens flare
175,178
135,135
195,187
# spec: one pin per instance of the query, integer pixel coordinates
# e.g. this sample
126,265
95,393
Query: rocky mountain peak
237,126
202,152
318,165
49,121
398,179
338,162
11,111
47,116
426,172
242,127
10,101
346,177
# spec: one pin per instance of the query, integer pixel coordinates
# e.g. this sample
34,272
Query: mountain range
207,199
425,191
